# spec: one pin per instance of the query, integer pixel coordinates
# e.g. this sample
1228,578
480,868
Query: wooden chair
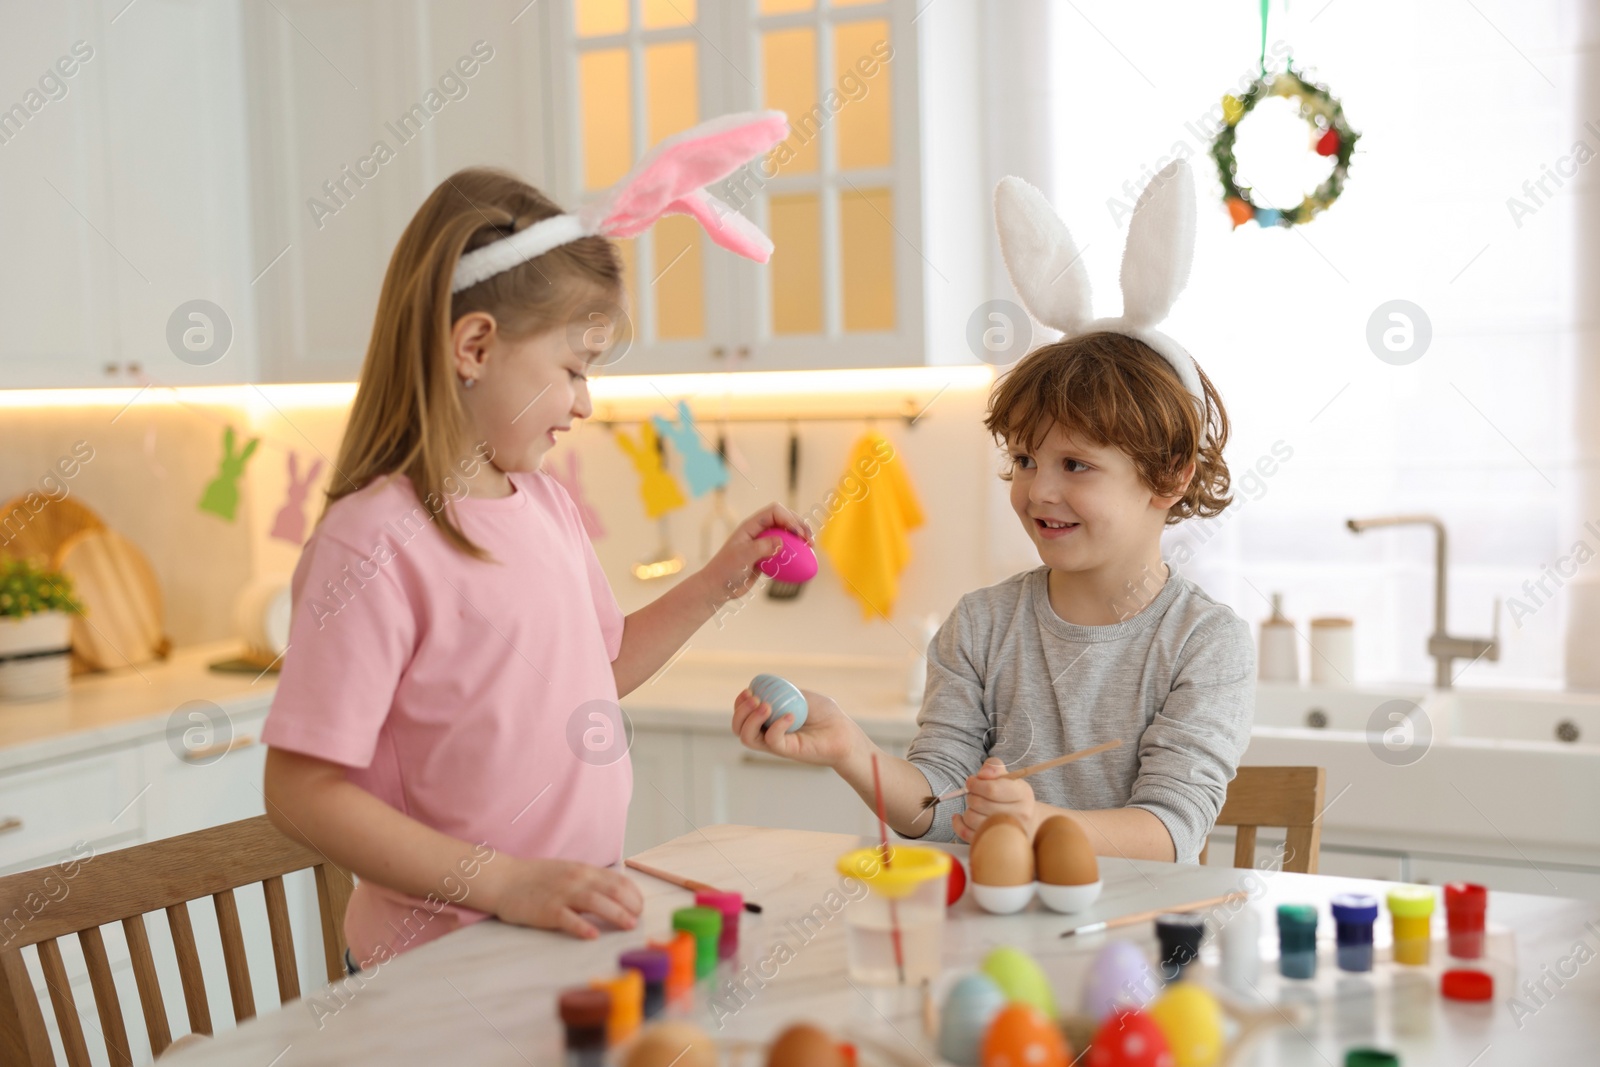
1290,797
122,886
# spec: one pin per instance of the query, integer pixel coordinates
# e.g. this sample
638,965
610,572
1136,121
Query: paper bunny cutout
703,468
574,487
658,488
290,523
670,179
221,496
1048,272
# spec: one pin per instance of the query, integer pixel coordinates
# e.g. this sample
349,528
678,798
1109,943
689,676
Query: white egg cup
1068,899
1003,899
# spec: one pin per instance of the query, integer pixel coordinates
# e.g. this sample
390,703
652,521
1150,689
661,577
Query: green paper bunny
222,492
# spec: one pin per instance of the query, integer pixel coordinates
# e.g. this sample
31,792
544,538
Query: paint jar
706,926
653,966
1370,1057
1465,905
584,1013
1411,909
895,934
1180,935
1354,915
1241,950
1297,940
627,1004
680,952
730,905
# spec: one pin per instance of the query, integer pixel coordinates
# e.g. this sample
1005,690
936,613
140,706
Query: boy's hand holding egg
989,793
827,737
736,566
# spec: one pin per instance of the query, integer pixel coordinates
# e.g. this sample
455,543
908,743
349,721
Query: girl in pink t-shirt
446,724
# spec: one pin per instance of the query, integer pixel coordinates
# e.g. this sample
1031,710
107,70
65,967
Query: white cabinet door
59,271
1509,876
659,810
735,785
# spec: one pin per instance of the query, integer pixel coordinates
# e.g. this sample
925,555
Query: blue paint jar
1353,917
1297,940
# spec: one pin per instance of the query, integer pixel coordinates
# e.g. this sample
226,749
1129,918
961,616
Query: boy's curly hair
1113,390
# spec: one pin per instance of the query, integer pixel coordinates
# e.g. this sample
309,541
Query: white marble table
485,995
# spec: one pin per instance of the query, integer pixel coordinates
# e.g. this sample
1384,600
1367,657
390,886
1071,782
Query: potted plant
36,609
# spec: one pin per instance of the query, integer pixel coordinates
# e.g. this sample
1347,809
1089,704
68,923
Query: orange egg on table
1022,1037
804,1045
672,1044
1069,874
1002,865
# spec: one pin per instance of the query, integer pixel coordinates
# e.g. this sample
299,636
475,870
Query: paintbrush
685,883
883,839
1146,916
1024,772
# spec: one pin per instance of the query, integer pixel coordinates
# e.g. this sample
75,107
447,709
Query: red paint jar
1465,905
731,905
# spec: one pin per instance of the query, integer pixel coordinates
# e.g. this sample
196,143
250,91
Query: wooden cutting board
40,533
123,623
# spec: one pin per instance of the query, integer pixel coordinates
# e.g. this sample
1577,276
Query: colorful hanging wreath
1331,135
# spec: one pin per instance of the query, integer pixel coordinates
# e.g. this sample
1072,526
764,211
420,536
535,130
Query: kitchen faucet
1441,646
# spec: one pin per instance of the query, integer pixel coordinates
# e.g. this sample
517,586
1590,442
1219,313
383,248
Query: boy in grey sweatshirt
1105,448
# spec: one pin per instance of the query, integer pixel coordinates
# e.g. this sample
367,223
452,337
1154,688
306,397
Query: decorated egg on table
1192,1020
1121,976
957,884
1022,1037
804,1045
672,1044
1130,1038
782,696
1020,979
1002,865
970,1007
1069,875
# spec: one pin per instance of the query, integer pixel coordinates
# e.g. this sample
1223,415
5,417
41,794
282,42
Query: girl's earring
468,383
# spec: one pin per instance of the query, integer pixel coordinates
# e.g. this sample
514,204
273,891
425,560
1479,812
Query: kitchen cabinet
733,784
846,198
125,175
659,810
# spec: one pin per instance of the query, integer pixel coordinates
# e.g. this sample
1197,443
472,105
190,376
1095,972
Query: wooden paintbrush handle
1061,760
668,877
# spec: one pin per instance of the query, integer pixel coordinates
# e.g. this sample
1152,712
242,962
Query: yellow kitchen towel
865,535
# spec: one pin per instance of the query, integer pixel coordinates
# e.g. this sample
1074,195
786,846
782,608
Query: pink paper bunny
574,487
290,524
670,179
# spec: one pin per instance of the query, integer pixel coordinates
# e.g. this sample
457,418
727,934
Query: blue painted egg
973,1003
784,698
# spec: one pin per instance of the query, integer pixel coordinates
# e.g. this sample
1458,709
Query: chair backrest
38,907
1287,797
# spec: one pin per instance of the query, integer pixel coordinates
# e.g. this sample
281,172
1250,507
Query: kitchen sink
1285,705
1492,715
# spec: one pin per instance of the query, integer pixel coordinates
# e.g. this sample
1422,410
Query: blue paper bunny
703,469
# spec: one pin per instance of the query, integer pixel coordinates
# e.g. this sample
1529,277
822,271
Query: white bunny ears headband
1047,269
670,179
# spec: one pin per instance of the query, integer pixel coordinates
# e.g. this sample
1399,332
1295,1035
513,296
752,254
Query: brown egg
1063,854
1000,853
672,1044
804,1045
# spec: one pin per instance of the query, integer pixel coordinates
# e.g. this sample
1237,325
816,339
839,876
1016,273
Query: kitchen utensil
122,624
721,521
787,590
41,532
1025,772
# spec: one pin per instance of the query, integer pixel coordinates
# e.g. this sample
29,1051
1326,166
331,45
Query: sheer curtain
1463,109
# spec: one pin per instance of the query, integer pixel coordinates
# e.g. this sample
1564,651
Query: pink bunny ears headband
670,179
1047,269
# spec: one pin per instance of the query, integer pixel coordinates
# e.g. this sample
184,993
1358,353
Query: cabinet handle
211,752
757,759
743,352
10,824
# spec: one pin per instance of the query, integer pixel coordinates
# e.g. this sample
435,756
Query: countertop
133,703
485,995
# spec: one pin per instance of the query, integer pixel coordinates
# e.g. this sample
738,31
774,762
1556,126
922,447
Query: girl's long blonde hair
408,417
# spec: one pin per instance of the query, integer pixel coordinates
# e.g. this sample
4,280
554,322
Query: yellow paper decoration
658,488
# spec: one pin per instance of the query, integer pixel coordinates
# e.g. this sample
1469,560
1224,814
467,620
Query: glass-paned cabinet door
636,72
840,196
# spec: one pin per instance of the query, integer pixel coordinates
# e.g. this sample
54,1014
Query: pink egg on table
794,562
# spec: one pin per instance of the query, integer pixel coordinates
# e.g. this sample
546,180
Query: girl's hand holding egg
990,793
827,736
735,568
